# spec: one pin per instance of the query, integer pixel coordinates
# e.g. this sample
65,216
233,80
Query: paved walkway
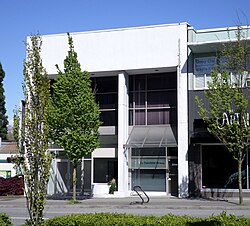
16,207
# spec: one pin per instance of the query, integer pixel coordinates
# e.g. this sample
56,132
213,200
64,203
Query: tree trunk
74,182
240,182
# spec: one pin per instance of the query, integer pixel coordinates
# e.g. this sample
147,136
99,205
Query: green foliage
227,94
112,186
31,131
74,114
106,219
74,202
3,117
5,220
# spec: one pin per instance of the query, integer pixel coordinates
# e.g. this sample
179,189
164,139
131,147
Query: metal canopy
152,136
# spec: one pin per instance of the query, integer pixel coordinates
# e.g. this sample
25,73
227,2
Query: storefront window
219,168
105,169
148,168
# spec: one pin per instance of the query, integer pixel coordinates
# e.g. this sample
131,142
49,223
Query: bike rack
142,194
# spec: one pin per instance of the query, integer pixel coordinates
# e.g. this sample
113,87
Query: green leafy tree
74,114
3,117
227,115
31,132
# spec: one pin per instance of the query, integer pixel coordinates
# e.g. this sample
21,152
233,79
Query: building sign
229,119
148,163
204,65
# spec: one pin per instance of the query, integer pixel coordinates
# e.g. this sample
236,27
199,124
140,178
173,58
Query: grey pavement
15,207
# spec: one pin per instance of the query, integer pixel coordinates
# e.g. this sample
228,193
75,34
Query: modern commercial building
145,80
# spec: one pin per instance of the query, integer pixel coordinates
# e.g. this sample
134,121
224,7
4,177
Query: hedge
108,219
5,220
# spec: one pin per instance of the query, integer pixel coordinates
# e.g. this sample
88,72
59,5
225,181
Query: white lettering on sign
229,119
204,65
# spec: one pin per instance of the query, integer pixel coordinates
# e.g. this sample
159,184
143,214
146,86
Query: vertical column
122,133
182,113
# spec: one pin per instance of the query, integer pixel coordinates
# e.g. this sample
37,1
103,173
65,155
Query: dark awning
152,136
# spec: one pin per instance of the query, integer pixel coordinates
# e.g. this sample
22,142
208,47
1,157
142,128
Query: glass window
162,99
148,152
149,179
199,81
218,175
139,83
153,99
162,81
105,169
159,116
139,99
131,119
140,117
109,118
87,175
107,101
106,89
106,84
153,178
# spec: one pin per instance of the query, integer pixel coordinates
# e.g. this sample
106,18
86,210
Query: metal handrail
139,190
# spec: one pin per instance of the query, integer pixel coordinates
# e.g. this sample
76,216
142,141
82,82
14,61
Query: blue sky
20,18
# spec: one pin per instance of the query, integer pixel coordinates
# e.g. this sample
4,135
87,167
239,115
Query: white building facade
145,81
143,132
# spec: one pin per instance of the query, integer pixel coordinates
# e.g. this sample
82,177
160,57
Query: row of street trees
65,113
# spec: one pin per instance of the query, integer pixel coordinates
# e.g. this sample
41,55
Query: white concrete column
122,133
182,113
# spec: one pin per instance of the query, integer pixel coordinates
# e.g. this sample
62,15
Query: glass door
148,168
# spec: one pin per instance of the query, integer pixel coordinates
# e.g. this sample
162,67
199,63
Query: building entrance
154,170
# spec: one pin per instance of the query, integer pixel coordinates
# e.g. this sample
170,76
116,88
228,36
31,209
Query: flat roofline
196,43
218,29
116,29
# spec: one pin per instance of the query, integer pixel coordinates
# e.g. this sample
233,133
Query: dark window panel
139,83
162,81
161,116
140,117
109,118
148,152
107,101
139,99
105,84
105,169
162,99
131,119
218,175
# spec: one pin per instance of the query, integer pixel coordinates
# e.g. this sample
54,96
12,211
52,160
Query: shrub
11,186
108,219
5,220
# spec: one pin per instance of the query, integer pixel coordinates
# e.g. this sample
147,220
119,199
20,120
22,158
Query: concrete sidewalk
135,201
15,207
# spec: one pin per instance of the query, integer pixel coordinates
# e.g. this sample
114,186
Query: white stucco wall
119,49
182,106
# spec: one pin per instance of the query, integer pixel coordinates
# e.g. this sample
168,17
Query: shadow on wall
183,189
